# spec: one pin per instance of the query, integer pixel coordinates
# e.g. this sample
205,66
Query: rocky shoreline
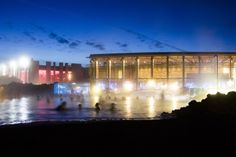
17,90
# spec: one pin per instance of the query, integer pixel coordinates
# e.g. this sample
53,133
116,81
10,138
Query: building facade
163,69
32,71
51,72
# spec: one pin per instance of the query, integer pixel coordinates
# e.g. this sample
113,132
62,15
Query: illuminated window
69,75
120,74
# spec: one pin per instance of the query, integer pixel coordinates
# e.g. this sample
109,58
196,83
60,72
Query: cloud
62,40
99,46
58,38
156,43
3,37
30,36
78,41
96,45
122,45
52,35
139,36
73,45
41,41
41,28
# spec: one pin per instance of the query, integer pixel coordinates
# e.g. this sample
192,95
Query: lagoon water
34,109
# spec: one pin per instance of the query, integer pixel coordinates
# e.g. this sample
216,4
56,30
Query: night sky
70,30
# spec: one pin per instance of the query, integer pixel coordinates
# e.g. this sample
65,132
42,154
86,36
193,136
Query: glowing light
115,89
174,86
13,67
96,89
212,91
230,83
163,86
128,106
128,86
174,103
128,100
3,69
151,101
96,99
69,76
12,64
24,62
224,91
225,70
151,108
151,84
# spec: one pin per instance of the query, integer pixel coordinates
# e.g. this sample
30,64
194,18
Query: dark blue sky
69,30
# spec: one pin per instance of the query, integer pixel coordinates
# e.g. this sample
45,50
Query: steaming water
32,109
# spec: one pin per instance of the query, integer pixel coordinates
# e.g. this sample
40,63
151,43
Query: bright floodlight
225,70
151,84
13,67
127,86
163,86
212,91
69,76
151,101
24,62
13,64
3,69
96,89
230,83
174,86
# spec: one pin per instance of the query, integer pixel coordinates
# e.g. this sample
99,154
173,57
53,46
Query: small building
52,72
32,71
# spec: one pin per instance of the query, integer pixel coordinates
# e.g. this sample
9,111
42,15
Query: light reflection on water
128,107
28,109
151,104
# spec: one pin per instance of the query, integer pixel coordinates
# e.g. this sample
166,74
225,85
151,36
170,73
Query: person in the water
97,107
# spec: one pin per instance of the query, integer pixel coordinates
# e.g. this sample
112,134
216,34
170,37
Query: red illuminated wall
54,76
42,76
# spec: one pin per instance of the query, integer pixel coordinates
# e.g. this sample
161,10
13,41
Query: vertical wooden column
109,73
96,70
199,64
123,68
167,68
137,72
152,67
109,69
217,74
230,68
183,71
92,74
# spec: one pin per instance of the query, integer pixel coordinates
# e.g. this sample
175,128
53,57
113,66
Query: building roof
160,54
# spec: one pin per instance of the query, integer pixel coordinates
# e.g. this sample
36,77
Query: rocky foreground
218,106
